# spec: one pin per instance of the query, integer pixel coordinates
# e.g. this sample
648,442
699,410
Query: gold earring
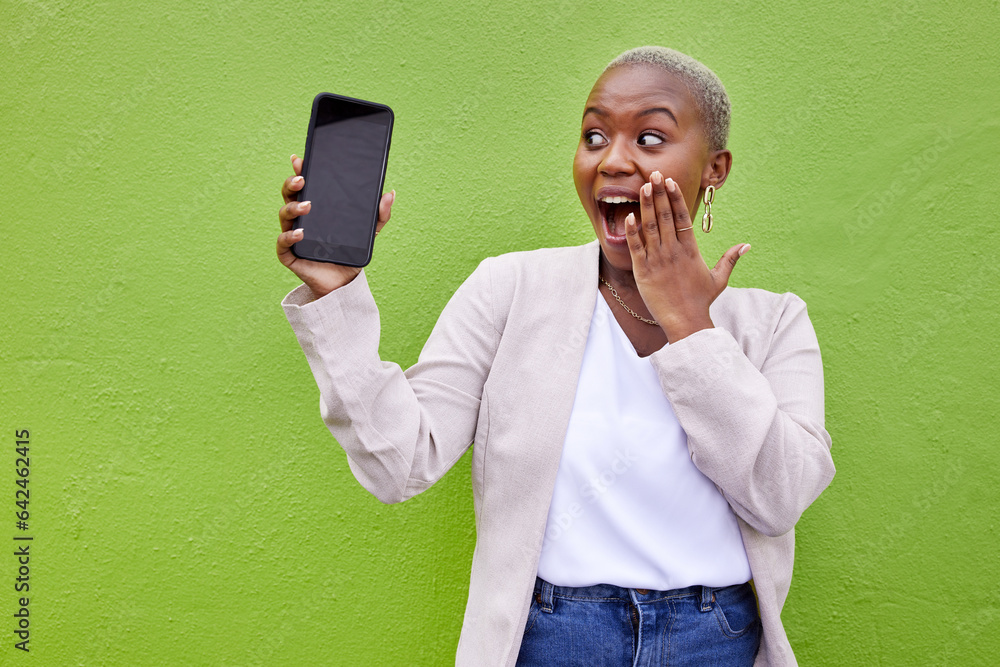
706,220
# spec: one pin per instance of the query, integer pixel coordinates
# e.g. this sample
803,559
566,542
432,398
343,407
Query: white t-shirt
629,506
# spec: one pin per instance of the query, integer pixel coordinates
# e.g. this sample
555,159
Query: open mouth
614,210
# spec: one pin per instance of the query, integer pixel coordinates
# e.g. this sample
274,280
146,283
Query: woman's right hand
321,277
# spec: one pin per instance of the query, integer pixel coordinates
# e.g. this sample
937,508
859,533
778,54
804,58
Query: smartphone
347,149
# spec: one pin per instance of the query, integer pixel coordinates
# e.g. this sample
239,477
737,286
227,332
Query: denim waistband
544,592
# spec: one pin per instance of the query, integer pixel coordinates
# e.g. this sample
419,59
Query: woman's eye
649,139
594,138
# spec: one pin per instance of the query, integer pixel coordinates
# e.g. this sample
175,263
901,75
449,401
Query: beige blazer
500,369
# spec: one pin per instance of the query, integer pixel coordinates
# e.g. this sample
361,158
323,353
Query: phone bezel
297,248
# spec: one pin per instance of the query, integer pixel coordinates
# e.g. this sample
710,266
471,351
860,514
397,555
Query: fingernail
304,204
393,196
671,186
656,177
293,157
299,232
297,180
647,189
745,247
630,219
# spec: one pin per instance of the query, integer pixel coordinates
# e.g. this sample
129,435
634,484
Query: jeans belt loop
707,598
546,594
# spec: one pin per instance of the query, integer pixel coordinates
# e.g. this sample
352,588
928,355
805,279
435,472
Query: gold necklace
631,312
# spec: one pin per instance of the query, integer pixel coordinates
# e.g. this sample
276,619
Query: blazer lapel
539,367
550,377
567,337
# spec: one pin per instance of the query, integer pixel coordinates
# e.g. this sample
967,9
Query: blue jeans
608,625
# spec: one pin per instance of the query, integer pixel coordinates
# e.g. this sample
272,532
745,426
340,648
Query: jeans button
642,591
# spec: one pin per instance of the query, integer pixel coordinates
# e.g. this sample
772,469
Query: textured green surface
189,506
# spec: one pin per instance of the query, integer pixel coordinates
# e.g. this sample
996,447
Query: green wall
188,505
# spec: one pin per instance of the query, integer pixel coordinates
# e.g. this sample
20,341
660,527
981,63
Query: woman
636,478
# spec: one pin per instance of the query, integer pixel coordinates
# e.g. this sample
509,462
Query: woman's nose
617,159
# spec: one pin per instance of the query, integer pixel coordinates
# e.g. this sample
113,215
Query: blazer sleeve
758,433
401,430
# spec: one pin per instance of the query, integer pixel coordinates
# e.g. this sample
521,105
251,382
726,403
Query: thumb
385,210
724,268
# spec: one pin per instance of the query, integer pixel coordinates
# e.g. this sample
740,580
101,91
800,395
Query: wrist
314,293
321,288
679,328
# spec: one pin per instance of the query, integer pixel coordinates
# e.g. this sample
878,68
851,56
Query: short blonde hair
709,93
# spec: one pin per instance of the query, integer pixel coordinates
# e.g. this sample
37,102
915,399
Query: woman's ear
717,168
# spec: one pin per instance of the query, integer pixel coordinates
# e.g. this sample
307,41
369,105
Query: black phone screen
344,169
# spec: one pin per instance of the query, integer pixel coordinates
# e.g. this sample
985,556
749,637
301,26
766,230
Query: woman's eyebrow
597,111
660,110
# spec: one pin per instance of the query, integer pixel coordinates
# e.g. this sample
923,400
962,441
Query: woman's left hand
675,282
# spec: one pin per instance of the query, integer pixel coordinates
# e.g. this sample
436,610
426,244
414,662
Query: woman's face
638,119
